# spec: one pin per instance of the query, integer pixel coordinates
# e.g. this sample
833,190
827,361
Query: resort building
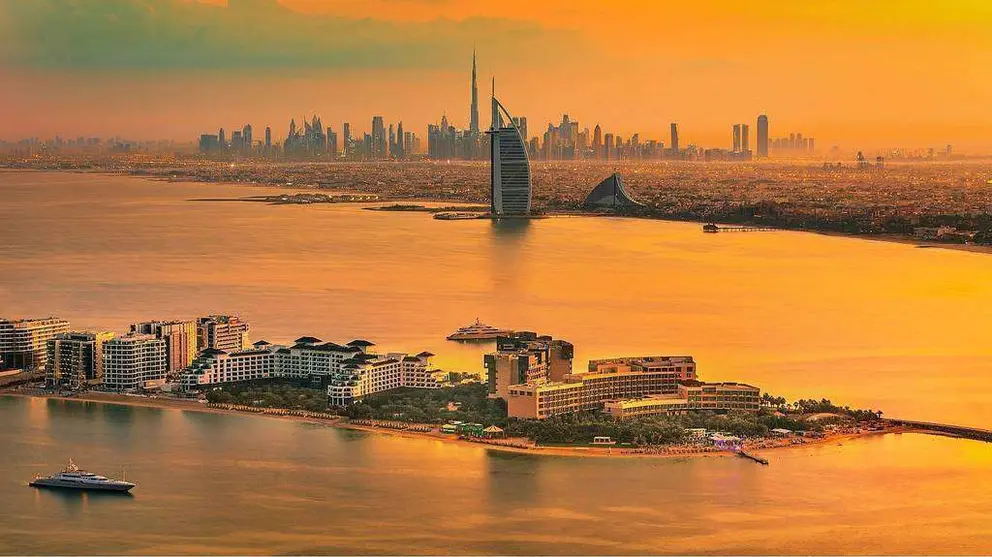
606,380
510,181
221,332
24,342
350,371
180,341
75,360
623,387
694,395
524,357
215,367
133,361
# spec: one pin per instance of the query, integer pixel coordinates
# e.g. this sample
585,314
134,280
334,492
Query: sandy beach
515,447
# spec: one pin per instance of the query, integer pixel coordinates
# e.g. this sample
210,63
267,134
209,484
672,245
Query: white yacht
71,477
478,331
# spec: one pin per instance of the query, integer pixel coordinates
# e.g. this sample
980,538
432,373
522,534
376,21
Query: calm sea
870,324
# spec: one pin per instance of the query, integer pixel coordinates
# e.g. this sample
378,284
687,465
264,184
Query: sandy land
614,452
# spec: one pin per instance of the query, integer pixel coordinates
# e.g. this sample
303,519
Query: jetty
946,429
713,228
755,458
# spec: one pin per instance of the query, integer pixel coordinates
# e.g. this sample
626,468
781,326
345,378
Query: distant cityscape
567,140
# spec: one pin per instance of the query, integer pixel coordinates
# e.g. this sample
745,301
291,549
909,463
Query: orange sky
906,73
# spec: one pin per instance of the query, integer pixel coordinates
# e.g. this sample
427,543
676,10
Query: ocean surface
864,323
211,483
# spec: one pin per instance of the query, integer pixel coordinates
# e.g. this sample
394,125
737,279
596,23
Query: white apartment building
24,342
133,361
350,370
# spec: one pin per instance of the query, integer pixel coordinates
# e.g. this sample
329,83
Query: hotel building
74,359
624,387
24,342
693,395
221,332
350,371
524,357
133,361
180,341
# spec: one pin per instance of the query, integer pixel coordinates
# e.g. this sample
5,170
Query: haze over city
887,74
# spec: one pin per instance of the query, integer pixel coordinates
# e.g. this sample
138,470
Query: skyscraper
474,119
763,136
745,140
510,185
346,140
246,138
268,138
597,142
378,138
737,138
675,138
400,154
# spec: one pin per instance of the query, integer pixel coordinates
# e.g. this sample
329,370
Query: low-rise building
24,342
133,361
75,359
691,396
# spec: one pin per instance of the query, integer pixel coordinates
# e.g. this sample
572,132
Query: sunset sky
901,73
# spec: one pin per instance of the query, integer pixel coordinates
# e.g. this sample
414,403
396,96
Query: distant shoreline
343,423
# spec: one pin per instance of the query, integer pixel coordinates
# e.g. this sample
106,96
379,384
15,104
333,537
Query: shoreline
888,237
536,450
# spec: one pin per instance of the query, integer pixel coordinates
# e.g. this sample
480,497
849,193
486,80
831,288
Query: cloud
254,34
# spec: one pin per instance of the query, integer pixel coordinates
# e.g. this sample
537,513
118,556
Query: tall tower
474,125
510,180
745,138
763,136
675,138
737,138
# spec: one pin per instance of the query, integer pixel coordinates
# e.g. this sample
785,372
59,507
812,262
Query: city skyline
811,68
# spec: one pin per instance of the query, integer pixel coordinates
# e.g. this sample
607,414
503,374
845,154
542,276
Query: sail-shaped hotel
510,187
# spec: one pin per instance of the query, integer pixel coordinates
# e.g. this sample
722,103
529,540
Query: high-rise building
763,136
180,341
745,139
675,138
510,182
24,342
221,332
133,361
474,118
75,359
247,138
737,138
268,138
222,138
400,153
597,142
608,148
378,138
332,143
346,143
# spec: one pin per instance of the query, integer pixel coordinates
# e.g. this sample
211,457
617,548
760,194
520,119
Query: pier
713,228
755,458
946,429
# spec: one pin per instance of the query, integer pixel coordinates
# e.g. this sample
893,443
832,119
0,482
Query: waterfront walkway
959,431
